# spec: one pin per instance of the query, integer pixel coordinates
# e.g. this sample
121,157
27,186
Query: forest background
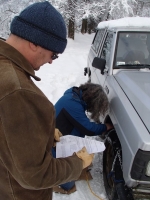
79,15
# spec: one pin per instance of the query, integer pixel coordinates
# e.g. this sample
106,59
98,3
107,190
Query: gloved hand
57,136
85,157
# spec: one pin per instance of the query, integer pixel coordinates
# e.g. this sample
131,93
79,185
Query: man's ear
33,47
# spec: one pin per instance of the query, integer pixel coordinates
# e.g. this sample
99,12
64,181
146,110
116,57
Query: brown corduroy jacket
27,121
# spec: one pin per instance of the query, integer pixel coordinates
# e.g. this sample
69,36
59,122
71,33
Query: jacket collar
77,94
16,57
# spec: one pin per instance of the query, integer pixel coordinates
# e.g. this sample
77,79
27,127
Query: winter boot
58,189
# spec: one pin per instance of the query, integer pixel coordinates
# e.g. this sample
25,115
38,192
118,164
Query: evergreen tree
79,15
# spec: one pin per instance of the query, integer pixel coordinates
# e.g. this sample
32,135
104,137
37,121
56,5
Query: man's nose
50,62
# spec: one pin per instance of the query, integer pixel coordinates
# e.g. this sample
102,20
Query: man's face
43,56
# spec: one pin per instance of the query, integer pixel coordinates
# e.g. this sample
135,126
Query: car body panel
136,85
128,126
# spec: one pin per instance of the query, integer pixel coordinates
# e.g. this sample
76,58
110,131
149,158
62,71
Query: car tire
108,157
115,190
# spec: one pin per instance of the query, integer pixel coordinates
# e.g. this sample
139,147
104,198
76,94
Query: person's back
16,94
68,108
71,117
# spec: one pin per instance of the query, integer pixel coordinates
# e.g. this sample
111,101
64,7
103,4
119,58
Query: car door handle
106,89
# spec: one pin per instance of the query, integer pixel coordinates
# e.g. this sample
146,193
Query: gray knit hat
41,24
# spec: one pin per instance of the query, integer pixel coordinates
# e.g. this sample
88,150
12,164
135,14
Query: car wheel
112,170
108,157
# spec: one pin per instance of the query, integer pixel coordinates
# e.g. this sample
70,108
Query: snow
65,72
126,22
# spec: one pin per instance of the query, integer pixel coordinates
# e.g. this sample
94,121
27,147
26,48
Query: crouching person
71,117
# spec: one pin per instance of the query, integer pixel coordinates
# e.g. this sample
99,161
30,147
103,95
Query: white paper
69,144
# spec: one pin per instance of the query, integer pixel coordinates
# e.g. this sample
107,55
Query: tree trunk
71,29
71,25
84,26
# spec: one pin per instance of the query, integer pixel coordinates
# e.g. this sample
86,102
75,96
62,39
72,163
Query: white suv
119,60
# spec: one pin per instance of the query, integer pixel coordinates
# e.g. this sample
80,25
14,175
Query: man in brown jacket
27,118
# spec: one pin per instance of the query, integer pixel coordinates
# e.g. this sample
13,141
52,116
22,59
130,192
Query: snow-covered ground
65,72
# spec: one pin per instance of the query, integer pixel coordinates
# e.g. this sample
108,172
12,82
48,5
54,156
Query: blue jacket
71,118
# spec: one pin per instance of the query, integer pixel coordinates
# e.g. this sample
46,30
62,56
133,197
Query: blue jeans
65,186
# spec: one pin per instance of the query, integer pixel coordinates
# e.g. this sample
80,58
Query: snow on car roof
126,22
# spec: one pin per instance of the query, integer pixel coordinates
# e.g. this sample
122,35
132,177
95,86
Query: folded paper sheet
69,144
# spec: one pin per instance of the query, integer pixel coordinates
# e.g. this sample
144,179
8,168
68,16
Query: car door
105,52
94,51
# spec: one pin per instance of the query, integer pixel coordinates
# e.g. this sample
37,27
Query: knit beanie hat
41,24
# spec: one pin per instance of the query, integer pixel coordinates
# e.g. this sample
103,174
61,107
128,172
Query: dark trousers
65,186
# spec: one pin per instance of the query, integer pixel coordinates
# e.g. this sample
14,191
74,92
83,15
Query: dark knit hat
41,24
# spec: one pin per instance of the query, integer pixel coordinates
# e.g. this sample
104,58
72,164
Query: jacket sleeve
26,138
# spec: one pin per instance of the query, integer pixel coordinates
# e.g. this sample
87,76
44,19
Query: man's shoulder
13,78
8,72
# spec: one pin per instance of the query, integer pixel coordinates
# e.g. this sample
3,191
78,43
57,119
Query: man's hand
85,157
109,126
57,136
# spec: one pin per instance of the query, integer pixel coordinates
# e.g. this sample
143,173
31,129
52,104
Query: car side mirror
99,63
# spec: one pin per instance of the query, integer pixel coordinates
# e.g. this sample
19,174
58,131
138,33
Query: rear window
97,40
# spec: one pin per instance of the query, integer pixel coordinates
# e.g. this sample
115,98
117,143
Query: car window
133,48
98,37
106,50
